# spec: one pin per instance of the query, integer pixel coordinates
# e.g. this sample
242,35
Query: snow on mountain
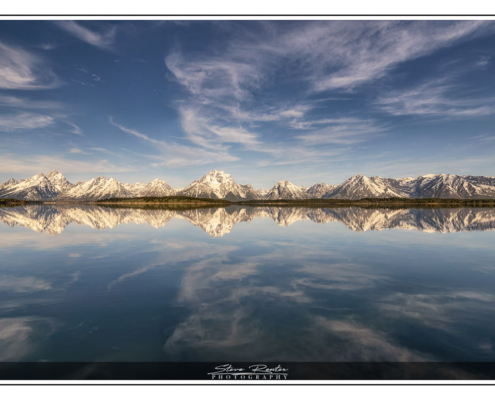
286,190
219,185
156,188
360,186
96,189
451,186
261,192
38,187
8,183
318,190
58,181
134,188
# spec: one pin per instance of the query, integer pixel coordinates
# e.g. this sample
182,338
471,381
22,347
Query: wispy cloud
485,138
348,55
345,131
229,99
76,150
48,46
437,97
215,77
24,121
19,102
205,132
336,55
10,164
82,83
483,61
176,155
74,128
22,70
106,151
103,39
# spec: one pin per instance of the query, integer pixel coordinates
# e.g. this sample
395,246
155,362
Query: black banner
243,371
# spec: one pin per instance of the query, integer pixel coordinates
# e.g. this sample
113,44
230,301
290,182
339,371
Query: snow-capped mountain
318,190
219,185
38,187
59,182
286,190
134,188
360,186
450,186
156,188
10,182
96,188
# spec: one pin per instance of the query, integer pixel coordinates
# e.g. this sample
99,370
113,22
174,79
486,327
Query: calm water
246,284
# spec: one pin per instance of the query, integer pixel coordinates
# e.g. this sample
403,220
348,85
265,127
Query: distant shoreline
193,202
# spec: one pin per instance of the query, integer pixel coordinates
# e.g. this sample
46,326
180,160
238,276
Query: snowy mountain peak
10,182
286,190
53,173
38,177
156,188
216,176
219,185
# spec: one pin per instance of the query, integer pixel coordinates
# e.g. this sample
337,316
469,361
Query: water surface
87,283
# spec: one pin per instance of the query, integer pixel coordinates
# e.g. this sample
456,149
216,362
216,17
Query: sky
304,101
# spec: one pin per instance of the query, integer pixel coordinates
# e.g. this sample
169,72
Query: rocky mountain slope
318,190
360,186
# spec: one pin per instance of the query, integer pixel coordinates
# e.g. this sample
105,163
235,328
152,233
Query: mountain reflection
218,222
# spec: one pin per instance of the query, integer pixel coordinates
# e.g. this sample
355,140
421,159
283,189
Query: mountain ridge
219,185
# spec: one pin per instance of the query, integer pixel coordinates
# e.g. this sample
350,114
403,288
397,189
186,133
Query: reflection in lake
219,221
374,286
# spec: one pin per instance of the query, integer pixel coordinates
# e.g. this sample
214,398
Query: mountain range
220,185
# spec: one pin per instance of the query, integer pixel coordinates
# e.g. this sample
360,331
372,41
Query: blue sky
306,101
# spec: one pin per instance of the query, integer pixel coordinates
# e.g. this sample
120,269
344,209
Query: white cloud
329,55
344,131
48,46
24,121
103,150
74,128
18,102
10,164
483,61
22,70
103,39
324,56
75,150
436,98
485,138
344,55
215,77
203,132
177,155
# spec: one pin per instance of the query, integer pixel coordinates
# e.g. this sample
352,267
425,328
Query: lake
88,283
